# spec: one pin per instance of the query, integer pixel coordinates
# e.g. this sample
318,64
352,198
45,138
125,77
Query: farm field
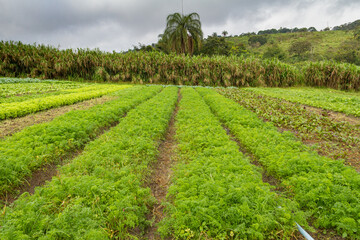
328,99
151,162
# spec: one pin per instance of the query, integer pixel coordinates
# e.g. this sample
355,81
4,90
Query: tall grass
20,60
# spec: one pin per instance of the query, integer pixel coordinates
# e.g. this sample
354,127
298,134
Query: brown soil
159,180
10,126
337,116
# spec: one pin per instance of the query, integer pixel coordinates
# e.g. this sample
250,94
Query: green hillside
338,45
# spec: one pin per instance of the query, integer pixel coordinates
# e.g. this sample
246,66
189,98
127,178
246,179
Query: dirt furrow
159,180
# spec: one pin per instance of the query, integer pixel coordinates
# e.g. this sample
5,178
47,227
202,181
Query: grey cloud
117,25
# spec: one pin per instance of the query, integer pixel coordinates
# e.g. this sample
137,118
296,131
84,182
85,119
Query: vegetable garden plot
336,139
44,143
39,96
18,109
325,188
4,80
100,194
8,90
12,125
216,193
329,99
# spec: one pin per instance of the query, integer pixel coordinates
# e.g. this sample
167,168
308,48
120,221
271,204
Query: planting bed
150,162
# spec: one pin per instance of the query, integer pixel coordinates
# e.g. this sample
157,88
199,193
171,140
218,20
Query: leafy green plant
325,188
18,109
216,193
329,99
101,193
334,138
37,145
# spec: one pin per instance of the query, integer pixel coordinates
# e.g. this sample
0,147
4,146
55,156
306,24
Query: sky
118,25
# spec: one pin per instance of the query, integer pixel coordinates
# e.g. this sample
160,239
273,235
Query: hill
324,45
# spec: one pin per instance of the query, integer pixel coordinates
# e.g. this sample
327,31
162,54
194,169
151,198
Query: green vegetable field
112,161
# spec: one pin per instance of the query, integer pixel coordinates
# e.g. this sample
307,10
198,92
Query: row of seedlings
18,109
329,99
326,189
44,143
28,95
101,193
216,192
334,138
8,90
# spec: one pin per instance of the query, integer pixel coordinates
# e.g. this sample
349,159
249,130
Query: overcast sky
120,24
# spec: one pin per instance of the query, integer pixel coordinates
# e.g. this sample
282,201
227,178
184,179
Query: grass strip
100,194
18,109
216,192
37,145
327,189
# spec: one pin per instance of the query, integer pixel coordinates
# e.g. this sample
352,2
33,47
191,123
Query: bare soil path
159,180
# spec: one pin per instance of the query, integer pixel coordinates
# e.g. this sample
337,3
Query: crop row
8,90
101,193
44,143
336,139
348,103
216,192
18,109
327,189
17,59
6,80
38,96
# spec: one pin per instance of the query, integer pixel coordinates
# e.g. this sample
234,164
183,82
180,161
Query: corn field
46,62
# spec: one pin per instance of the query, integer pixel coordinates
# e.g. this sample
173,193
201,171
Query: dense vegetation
217,193
215,190
17,59
100,194
326,189
44,143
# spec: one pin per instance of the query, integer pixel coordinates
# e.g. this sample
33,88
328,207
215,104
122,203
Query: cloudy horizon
119,25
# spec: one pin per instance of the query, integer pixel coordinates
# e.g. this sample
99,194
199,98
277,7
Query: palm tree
183,32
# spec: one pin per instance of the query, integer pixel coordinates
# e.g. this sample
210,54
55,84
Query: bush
257,40
300,47
274,51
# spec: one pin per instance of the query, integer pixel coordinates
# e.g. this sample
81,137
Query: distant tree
312,29
224,33
357,34
274,51
143,48
304,29
269,31
238,49
300,47
284,30
183,32
257,40
349,51
215,45
326,29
